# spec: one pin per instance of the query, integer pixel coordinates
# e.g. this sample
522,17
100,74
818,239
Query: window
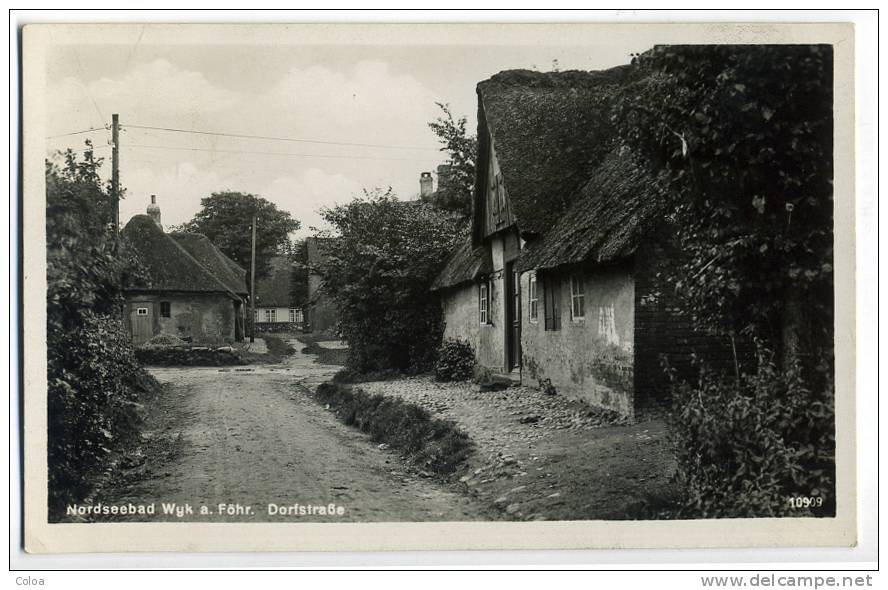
577,297
270,315
292,316
552,303
164,309
141,311
533,299
484,303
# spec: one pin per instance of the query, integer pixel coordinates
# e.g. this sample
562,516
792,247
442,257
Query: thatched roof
608,219
167,264
465,264
207,254
274,289
549,131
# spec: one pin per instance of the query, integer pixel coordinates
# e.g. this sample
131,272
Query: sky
376,99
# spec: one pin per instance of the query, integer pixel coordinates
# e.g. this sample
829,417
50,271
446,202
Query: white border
865,239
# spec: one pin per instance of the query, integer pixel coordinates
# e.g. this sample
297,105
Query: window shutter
556,304
547,303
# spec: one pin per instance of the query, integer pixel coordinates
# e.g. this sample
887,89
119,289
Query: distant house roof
274,289
223,268
607,220
549,131
465,264
170,266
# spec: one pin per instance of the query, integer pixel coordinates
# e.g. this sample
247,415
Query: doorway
513,317
142,322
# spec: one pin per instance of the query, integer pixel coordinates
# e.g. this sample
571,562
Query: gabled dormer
497,214
539,137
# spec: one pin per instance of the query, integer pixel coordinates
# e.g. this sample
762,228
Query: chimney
154,211
425,184
445,172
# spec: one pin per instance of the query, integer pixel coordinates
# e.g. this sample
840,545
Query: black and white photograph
436,274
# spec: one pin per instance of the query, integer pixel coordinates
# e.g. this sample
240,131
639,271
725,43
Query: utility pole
115,176
253,283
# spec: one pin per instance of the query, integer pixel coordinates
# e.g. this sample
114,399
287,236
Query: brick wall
663,331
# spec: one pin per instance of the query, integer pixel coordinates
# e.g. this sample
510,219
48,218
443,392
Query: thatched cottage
273,311
557,281
184,286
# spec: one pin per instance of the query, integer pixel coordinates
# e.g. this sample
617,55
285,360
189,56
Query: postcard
342,287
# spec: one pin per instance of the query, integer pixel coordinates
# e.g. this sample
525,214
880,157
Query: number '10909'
805,501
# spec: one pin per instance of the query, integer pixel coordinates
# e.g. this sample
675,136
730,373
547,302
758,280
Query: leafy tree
745,135
381,262
455,191
226,218
93,378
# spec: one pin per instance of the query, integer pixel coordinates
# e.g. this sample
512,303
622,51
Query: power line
95,148
77,132
102,118
166,147
273,138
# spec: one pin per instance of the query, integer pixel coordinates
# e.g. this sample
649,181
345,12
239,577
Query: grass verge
351,376
326,356
277,347
277,350
433,445
177,356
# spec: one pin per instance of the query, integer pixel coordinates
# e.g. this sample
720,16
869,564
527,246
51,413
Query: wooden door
141,322
513,317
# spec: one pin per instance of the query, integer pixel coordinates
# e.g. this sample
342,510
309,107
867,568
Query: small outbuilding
183,285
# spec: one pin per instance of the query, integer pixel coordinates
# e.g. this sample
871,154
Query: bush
94,390
434,445
278,328
176,356
378,268
94,384
456,361
745,447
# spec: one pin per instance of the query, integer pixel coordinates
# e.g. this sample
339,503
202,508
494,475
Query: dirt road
225,444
